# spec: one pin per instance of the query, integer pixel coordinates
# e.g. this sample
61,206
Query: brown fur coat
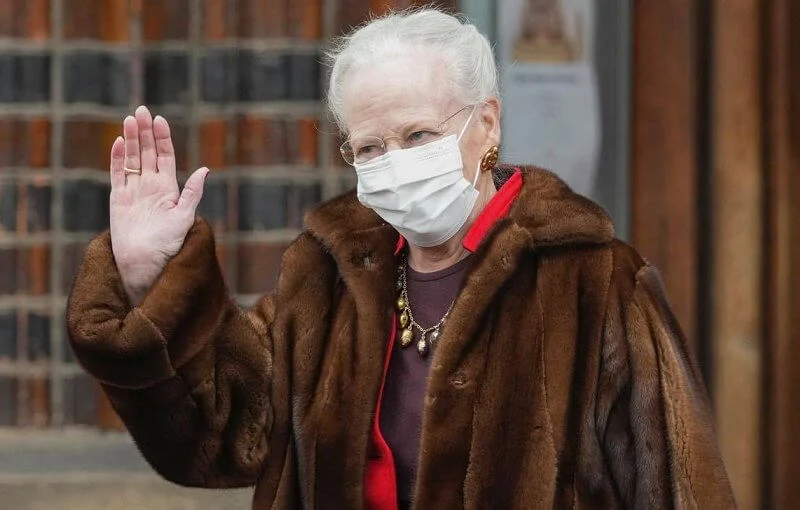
561,381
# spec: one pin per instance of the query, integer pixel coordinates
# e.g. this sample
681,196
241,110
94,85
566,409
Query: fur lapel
555,216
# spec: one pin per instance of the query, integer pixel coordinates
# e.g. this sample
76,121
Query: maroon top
430,295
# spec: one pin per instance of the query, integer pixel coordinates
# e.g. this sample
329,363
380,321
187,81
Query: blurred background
699,124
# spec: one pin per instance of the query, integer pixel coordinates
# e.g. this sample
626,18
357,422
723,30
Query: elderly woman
453,334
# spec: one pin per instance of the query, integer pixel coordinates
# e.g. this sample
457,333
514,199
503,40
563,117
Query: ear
490,117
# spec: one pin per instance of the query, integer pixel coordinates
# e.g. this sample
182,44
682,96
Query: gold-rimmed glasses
362,149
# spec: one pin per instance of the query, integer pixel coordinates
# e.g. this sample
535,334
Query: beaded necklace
426,337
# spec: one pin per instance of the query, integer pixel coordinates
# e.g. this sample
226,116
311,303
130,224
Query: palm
149,215
146,218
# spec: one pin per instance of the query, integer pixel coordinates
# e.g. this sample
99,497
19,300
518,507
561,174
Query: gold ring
137,171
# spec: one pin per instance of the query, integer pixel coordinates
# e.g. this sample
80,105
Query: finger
131,131
193,190
147,142
118,163
165,162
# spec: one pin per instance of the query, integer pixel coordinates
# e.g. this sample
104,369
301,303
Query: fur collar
551,213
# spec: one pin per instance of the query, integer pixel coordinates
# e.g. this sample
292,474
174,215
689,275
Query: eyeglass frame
439,127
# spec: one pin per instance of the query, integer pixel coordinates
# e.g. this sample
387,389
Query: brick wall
239,80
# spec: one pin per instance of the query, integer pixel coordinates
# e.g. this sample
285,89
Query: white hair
465,51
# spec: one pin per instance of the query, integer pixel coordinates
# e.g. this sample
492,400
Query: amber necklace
427,336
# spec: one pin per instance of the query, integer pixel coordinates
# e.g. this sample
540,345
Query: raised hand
150,216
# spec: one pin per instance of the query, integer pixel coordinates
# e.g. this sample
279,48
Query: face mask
420,191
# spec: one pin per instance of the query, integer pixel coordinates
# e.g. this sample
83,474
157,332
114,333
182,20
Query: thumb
193,190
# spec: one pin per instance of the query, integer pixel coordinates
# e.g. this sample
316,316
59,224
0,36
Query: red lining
380,479
496,209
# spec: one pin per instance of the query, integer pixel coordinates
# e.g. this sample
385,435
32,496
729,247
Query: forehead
386,95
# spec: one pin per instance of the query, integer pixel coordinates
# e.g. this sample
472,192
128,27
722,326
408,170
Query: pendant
406,338
404,319
422,346
402,303
434,336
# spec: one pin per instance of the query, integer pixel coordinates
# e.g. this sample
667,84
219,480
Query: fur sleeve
654,418
188,371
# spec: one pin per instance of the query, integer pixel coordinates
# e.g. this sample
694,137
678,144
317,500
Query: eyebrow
417,124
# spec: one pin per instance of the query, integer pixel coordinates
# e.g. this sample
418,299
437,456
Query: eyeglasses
362,149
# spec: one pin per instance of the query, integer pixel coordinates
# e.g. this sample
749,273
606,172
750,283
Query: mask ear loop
464,130
466,124
460,135
477,175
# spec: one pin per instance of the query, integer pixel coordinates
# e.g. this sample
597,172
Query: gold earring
489,159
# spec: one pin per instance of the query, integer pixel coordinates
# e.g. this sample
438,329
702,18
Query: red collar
495,210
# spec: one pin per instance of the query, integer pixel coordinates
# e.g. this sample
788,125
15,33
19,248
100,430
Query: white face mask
420,191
